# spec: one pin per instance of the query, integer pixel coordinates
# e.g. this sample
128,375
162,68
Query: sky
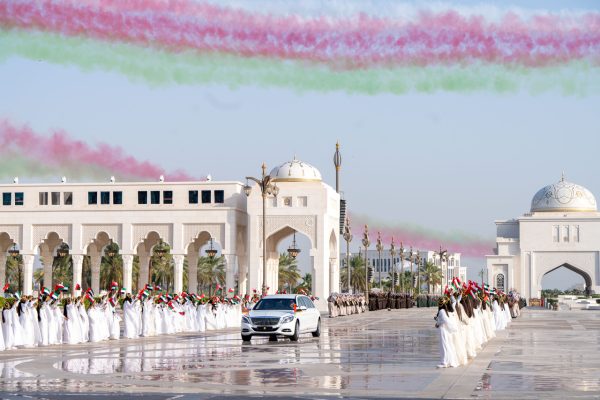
443,162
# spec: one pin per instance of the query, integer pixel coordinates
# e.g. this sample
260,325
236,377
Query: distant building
562,229
386,264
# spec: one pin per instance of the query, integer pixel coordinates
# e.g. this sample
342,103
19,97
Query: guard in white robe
131,318
447,328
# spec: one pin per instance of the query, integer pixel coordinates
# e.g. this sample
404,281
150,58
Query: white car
286,315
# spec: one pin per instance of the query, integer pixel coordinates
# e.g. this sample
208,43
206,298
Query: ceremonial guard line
468,317
56,318
346,304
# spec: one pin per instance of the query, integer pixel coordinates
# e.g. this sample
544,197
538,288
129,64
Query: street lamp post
379,247
418,261
482,273
366,243
348,238
393,254
401,268
267,187
411,257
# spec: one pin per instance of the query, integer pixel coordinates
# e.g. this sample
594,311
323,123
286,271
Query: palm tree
38,278
135,274
111,266
14,272
86,273
357,276
432,274
289,274
62,267
406,281
211,271
306,283
162,266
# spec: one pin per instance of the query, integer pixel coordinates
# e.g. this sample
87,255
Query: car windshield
275,304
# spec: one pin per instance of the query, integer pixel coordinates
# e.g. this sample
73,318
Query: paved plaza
544,354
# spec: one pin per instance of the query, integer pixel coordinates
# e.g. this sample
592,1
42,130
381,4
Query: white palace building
562,229
38,218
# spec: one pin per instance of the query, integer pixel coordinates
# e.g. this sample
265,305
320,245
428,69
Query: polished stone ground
380,354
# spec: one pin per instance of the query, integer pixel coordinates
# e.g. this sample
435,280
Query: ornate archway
273,242
588,282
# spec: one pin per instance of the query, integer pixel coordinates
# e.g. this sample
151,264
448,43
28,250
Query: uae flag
5,289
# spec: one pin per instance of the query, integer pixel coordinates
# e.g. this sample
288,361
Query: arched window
500,282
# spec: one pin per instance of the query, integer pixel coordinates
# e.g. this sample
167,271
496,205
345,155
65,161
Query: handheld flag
6,287
77,286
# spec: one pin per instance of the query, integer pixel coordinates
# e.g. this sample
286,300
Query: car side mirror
302,308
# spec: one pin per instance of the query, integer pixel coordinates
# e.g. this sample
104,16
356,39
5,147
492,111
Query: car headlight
246,319
286,318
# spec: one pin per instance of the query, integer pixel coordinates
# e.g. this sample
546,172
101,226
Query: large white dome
295,171
563,196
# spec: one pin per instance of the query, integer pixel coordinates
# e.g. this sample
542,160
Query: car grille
265,321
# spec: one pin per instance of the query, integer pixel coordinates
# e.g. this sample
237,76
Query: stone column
47,260
230,269
242,275
333,283
95,261
127,272
77,273
178,272
143,278
28,274
2,269
273,272
192,272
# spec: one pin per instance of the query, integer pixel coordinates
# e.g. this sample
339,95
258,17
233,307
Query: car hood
269,313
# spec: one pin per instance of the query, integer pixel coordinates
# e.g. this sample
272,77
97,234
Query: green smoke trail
12,164
158,67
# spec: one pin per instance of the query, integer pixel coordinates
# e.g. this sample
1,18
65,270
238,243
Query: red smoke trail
358,42
58,149
422,239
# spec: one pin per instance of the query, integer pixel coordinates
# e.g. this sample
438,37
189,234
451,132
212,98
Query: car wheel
317,333
246,338
296,335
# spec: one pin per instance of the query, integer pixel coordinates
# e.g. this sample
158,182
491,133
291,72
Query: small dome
295,171
563,196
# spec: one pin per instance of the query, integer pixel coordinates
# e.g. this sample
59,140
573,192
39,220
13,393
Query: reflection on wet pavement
547,354
382,353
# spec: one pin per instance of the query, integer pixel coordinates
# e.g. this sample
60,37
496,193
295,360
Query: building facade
38,218
561,230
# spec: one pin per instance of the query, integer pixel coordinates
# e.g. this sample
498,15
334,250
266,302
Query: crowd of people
469,316
56,318
340,304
